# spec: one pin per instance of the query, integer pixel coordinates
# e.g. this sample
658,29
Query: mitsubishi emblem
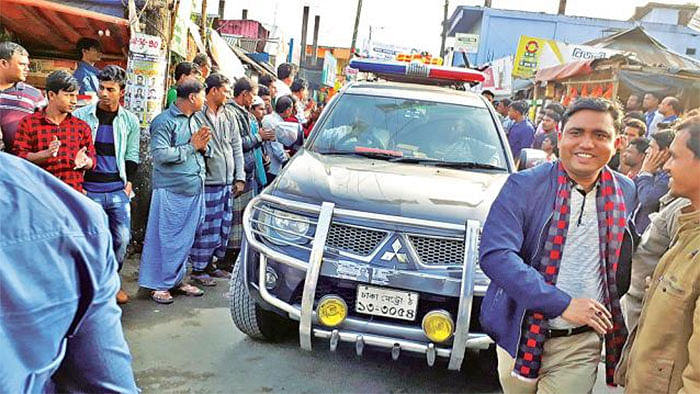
396,247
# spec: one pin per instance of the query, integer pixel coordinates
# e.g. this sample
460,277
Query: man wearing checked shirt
54,139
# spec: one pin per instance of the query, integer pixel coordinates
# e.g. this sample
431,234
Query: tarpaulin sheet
110,7
563,71
686,89
50,25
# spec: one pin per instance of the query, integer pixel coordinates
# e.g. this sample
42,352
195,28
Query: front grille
438,251
355,240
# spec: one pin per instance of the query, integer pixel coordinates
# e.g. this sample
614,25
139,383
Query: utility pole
444,30
304,26
222,5
314,53
562,7
357,25
203,24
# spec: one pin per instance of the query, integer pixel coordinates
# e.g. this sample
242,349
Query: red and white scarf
611,227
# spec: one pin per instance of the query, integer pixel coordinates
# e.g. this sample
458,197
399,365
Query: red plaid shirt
35,133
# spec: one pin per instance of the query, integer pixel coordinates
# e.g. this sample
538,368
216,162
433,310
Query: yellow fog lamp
331,310
438,325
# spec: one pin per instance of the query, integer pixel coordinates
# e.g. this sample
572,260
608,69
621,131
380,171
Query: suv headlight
283,226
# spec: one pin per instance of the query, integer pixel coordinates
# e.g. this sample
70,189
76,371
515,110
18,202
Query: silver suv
370,234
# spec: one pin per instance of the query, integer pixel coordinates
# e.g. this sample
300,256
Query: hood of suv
400,189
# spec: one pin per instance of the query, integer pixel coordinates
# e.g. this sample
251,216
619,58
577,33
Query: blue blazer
511,248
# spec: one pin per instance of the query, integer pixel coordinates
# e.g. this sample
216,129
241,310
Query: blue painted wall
500,31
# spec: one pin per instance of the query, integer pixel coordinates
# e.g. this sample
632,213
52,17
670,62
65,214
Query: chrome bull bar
306,316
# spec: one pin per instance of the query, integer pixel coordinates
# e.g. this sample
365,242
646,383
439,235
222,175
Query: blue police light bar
423,72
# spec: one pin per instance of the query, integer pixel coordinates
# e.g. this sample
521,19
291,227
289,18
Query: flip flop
189,290
162,297
203,279
219,273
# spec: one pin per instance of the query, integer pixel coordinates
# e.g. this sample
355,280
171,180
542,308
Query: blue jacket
87,77
60,326
250,142
511,248
650,188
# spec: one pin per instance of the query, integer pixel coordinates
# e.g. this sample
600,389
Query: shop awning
563,71
49,26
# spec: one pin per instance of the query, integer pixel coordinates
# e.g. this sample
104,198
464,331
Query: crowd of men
210,150
211,156
619,190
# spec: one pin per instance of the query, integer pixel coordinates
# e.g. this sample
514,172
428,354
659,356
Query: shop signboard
145,77
534,53
468,43
379,50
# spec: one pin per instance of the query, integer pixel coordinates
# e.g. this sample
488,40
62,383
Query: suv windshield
412,131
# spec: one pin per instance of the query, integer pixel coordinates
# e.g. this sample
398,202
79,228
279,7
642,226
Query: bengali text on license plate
378,301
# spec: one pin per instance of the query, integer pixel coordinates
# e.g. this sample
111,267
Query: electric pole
562,7
304,27
444,30
203,24
357,25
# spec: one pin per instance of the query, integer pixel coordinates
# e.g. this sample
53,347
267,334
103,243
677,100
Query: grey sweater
225,162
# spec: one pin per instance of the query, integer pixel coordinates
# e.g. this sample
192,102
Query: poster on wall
145,78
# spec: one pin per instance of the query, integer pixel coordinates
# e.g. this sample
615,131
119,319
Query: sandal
202,278
189,290
219,273
162,297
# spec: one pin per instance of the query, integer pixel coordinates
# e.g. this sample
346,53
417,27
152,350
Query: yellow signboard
534,53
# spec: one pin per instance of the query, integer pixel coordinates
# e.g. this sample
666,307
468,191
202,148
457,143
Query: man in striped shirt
17,99
115,132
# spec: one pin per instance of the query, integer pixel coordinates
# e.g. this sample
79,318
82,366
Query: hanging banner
330,67
145,78
178,43
534,53
498,76
222,54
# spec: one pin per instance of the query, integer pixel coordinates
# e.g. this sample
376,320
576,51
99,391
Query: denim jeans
116,206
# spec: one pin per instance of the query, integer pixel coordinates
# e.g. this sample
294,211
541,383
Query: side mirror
531,157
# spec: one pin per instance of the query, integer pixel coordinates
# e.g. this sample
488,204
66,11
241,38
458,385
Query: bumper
359,331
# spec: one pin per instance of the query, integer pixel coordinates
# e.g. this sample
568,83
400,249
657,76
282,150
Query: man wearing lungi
225,161
177,203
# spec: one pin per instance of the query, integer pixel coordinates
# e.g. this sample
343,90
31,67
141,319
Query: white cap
257,100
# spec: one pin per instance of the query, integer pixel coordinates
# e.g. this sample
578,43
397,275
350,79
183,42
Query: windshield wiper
448,164
372,155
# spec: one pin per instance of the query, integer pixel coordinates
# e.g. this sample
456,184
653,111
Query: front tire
249,317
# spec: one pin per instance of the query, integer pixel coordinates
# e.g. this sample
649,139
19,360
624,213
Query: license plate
379,301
